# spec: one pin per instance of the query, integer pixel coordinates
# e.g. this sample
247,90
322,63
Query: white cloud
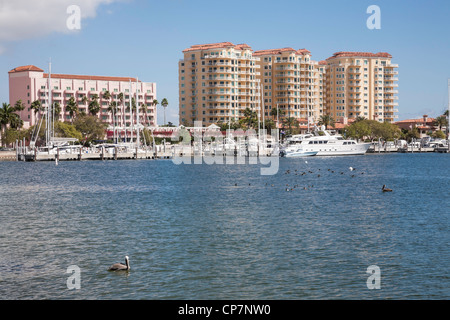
26,19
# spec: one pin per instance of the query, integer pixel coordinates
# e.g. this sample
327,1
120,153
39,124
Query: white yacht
324,144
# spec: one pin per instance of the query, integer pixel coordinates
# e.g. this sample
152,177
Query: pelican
121,266
386,189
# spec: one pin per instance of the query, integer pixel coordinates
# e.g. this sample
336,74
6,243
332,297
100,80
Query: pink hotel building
30,83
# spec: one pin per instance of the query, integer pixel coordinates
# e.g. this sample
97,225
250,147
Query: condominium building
361,84
293,83
30,83
217,82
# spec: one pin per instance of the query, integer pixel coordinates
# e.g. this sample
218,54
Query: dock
392,149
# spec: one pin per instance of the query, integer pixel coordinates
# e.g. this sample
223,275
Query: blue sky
145,39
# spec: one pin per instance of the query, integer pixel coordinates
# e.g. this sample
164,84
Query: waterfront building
425,125
217,82
362,84
293,83
30,83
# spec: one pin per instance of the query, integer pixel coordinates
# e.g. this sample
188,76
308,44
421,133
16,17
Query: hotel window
80,89
68,88
42,87
92,89
56,88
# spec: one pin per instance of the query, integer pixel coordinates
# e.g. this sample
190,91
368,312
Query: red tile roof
429,120
26,68
95,78
343,54
219,45
279,51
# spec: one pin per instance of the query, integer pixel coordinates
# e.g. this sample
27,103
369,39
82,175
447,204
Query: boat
324,143
298,153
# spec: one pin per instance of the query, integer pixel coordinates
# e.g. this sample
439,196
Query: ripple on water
202,232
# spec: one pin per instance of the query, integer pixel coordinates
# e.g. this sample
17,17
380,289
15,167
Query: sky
145,39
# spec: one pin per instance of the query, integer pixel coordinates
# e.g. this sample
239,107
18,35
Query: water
191,233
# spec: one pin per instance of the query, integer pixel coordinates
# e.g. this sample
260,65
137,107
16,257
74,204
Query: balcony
281,68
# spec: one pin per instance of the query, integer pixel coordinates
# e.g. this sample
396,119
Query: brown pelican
386,189
121,266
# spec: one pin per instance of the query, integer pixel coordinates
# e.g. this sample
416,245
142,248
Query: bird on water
386,189
121,266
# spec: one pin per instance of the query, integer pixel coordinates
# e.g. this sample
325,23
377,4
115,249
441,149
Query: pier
392,149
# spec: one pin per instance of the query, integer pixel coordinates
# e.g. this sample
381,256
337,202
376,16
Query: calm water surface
191,233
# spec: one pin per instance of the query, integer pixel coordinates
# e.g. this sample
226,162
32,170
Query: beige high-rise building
361,84
217,82
293,82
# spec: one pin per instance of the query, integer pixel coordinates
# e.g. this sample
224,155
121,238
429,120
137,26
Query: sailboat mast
448,116
131,113
137,113
49,106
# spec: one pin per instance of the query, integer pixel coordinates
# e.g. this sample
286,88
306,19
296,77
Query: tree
90,127
327,121
66,130
438,135
94,106
8,117
290,123
56,109
19,106
358,130
36,106
164,103
72,108
85,101
120,97
440,122
113,109
250,119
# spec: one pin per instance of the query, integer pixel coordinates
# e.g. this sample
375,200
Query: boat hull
300,154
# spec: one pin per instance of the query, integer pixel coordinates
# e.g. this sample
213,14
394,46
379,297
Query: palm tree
72,108
144,110
441,121
85,101
164,103
9,117
122,120
94,106
19,106
56,109
113,109
106,95
250,118
326,120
